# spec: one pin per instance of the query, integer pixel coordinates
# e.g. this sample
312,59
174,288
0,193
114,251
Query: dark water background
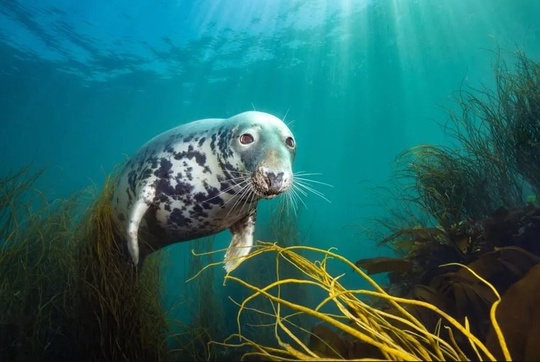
83,84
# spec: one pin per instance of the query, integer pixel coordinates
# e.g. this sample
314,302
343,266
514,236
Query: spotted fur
190,182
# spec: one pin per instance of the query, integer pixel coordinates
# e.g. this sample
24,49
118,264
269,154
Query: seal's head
264,150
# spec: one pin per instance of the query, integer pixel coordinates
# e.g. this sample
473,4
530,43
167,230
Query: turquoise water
84,84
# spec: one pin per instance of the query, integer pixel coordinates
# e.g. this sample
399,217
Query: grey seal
201,178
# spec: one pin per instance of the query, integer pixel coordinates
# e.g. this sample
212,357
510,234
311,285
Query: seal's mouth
270,184
266,194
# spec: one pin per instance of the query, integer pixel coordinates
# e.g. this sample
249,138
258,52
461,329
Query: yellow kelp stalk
394,336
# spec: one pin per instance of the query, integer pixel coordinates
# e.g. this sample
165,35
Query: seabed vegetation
463,286
65,292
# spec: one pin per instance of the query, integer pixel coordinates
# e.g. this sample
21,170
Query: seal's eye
246,139
290,142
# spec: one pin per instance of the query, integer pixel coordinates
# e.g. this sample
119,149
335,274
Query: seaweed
66,293
37,262
117,303
357,330
518,314
451,195
472,204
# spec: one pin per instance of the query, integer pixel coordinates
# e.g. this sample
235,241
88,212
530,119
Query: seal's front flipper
141,205
241,242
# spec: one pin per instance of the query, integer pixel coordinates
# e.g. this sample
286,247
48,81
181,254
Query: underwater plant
495,162
501,127
283,229
357,330
448,194
65,293
469,205
36,267
117,304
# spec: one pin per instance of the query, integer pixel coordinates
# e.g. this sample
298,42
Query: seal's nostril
274,181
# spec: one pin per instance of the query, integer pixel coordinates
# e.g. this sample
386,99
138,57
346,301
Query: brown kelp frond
518,314
425,248
355,329
461,294
384,265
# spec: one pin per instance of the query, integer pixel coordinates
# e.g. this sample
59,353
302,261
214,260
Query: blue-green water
84,84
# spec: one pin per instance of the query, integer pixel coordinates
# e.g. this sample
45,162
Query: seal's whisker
298,190
307,173
312,190
295,193
312,181
253,194
241,173
243,193
288,205
241,177
290,123
234,182
288,201
238,184
291,198
309,188
248,195
298,197
238,196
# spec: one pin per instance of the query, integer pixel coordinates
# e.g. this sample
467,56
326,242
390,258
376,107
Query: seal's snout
270,183
274,182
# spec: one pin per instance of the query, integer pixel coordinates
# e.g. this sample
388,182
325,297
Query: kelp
498,150
423,249
117,303
494,164
37,265
450,185
501,127
474,204
459,293
518,314
66,292
383,265
357,330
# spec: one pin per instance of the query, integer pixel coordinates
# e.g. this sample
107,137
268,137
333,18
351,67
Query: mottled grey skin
191,182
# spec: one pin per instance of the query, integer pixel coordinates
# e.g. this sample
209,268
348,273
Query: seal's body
201,178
